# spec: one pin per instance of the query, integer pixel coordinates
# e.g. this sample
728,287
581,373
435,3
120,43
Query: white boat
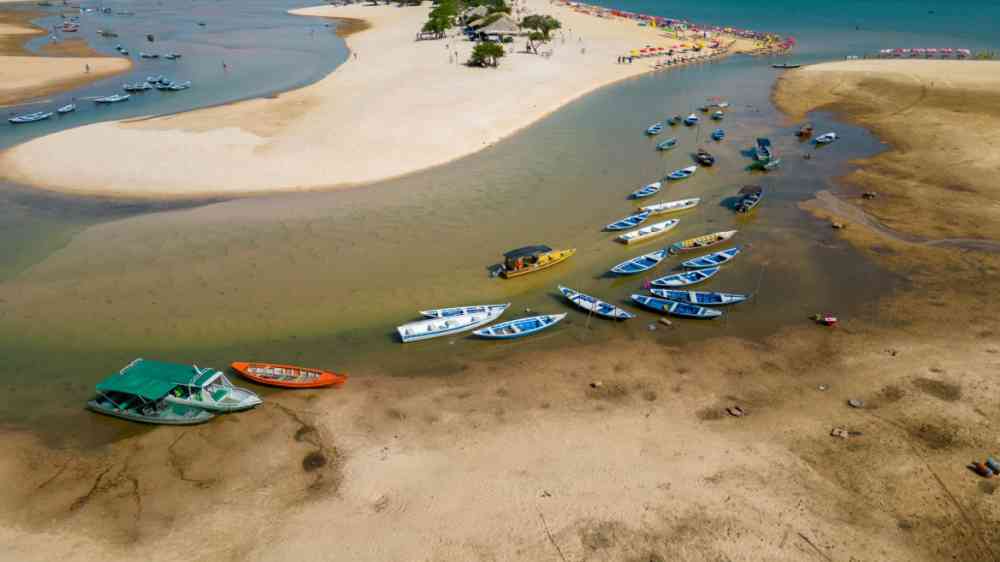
700,298
683,173
520,327
641,263
671,206
648,232
459,310
685,278
178,86
647,190
714,259
437,327
212,390
630,221
69,107
691,120
594,305
31,117
827,138
114,98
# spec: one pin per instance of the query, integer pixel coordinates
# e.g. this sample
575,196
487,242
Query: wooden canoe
540,261
702,242
288,376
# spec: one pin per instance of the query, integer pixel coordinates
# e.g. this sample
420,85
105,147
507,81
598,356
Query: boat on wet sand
718,134
655,129
762,150
647,190
691,120
671,206
685,278
648,232
459,310
288,376
750,197
667,144
530,259
141,408
674,121
701,242
594,305
704,157
31,117
447,326
712,260
520,327
629,221
641,263
700,298
826,138
675,308
682,173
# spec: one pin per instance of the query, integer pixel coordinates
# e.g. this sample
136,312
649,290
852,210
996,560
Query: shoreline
273,157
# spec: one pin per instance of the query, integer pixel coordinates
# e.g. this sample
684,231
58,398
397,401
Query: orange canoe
288,376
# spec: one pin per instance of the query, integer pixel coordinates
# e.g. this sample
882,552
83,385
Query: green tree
542,27
486,54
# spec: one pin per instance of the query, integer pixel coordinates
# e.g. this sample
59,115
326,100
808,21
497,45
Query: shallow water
323,278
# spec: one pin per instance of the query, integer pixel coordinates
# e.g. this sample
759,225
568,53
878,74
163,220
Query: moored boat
520,327
700,298
68,108
459,310
704,157
685,278
671,206
691,120
655,129
148,55
288,376
31,117
701,242
714,259
648,232
178,86
762,149
646,190
718,115
140,408
530,259
667,144
826,138
674,121
446,326
682,173
718,134
675,308
172,56
805,131
786,66
641,263
594,305
137,87
750,197
114,98
629,221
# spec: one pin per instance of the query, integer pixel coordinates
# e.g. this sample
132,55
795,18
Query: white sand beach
400,106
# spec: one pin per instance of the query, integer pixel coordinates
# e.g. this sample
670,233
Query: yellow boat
532,258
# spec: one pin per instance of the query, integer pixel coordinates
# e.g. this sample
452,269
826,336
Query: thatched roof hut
504,25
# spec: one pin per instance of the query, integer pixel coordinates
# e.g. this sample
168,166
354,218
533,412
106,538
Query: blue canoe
675,308
647,190
655,129
460,310
683,173
596,306
629,221
686,278
642,263
718,134
520,327
667,144
703,298
713,259
691,120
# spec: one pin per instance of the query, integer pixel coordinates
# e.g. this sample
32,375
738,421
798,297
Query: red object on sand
288,376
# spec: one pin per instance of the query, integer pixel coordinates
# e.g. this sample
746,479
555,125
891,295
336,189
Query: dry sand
401,106
24,75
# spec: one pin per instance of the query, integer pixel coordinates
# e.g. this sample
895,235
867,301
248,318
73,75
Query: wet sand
341,131
62,66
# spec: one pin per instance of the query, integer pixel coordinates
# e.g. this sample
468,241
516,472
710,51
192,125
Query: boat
639,264
106,33
595,306
647,190
520,327
675,308
704,157
629,221
648,232
786,66
123,51
141,408
718,135
460,310
143,55
31,117
701,298
137,87
70,27
722,104
718,115
172,56
700,242
183,385
685,278
447,326
762,150
68,108
157,79
750,197
655,129
667,144
178,86
714,259
532,258
691,120
683,173
671,206
826,138
288,376
674,121
805,131
114,98
766,166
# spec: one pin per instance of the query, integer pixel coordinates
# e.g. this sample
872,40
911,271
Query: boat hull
520,327
594,305
196,417
555,259
321,379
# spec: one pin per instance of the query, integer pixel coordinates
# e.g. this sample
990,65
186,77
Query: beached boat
520,327
762,149
675,308
137,87
141,408
785,66
704,157
714,259
718,115
594,305
750,197
766,166
683,173
530,259
31,117
674,121
288,376
178,86
718,134
826,138
691,120
685,278
446,326
184,385
701,298
667,144
68,108
639,264
629,221
702,242
671,206
655,129
648,232
805,131
647,190
460,310
114,98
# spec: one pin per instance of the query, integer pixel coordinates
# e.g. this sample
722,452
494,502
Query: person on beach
87,70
